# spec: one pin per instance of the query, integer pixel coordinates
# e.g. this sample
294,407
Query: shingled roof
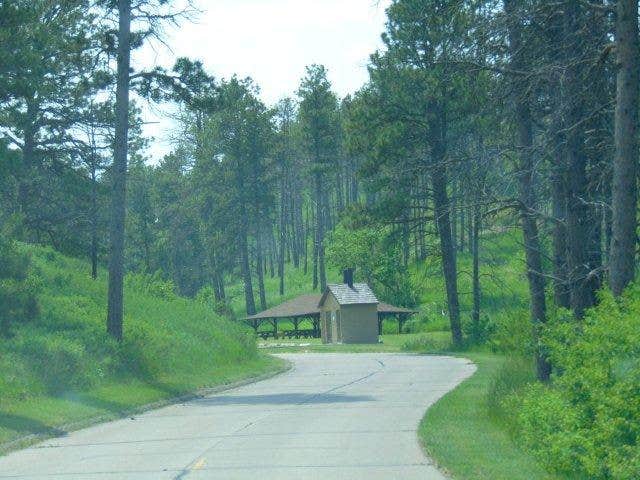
359,293
302,306
387,308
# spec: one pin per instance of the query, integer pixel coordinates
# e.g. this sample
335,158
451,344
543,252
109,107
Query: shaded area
284,399
26,425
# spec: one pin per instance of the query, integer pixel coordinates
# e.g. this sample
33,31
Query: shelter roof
360,293
308,306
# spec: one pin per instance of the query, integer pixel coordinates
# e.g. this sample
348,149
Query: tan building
344,313
349,312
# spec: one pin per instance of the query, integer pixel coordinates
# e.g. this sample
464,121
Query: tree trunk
272,250
454,214
94,221
582,284
475,250
259,269
447,249
624,188
295,232
463,223
282,234
305,239
561,290
115,307
316,244
28,174
246,272
324,199
527,196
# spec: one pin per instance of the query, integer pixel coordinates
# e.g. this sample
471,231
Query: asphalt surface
333,416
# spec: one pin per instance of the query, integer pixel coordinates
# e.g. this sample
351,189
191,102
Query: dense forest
478,117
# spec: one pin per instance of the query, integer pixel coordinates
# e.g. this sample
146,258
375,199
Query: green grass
61,368
467,435
410,342
296,283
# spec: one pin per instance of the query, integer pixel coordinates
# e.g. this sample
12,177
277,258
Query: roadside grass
468,434
410,342
62,368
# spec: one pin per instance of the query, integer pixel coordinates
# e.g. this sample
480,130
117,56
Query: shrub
515,374
511,332
154,285
427,343
588,420
19,287
60,361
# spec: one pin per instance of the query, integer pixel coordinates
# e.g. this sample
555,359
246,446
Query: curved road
332,416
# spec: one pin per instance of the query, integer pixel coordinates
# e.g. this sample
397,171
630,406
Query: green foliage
170,341
377,258
467,432
588,419
153,285
19,286
511,377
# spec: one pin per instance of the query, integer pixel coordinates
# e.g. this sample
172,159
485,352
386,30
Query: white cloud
272,41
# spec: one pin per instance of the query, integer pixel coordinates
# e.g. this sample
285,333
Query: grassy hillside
61,367
503,286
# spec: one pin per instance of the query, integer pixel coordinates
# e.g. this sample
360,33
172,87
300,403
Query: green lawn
467,440
433,341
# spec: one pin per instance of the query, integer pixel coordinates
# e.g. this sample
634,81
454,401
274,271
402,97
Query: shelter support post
296,323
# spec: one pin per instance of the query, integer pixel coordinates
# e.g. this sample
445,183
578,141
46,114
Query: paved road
333,416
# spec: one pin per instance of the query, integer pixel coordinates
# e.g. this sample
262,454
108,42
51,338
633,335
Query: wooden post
401,320
316,326
296,321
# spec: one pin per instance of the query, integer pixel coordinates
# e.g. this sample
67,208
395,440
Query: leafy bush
513,375
377,257
588,420
426,322
19,287
427,343
153,284
511,332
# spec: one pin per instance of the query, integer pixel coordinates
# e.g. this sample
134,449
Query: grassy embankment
469,432
61,368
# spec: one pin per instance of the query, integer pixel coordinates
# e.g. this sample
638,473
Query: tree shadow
283,399
26,425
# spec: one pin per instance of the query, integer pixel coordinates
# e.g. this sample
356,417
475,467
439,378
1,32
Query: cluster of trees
477,107
473,108
246,188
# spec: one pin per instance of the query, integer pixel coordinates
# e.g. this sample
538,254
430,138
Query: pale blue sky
272,41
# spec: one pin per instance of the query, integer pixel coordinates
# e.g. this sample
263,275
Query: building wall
348,323
359,323
329,329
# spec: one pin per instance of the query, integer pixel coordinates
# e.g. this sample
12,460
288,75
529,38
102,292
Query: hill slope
62,367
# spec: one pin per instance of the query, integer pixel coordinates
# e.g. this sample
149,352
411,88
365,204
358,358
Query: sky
271,41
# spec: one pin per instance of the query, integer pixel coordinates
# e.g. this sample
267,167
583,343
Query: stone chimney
348,277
